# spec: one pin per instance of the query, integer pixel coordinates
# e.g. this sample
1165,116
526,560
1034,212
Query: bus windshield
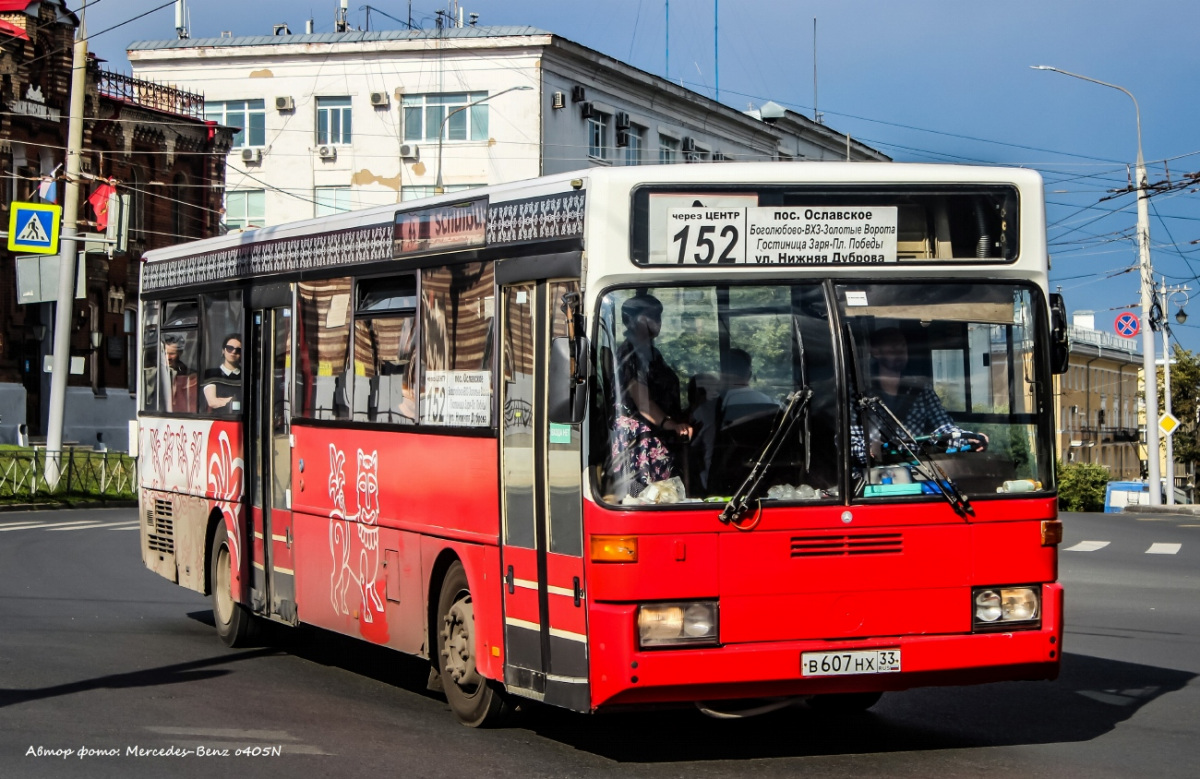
693,380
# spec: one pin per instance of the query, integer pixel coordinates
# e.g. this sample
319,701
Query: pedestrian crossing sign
33,228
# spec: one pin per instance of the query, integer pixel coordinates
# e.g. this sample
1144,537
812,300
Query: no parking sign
1128,325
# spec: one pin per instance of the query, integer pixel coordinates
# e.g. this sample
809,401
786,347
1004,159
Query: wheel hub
458,641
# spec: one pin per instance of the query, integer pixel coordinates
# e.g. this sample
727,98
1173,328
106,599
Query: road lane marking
1164,549
44,526
126,523
1087,546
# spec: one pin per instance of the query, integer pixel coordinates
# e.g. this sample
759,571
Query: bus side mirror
1060,342
567,380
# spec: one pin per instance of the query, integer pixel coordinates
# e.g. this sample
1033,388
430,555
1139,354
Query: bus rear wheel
475,701
234,622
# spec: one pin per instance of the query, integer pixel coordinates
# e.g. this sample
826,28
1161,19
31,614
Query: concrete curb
1186,510
69,504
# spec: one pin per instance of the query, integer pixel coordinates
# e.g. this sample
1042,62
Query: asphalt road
97,653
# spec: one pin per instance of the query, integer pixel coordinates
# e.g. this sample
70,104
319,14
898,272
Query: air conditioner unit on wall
409,151
622,120
284,103
578,95
379,99
327,152
689,144
253,156
622,138
586,111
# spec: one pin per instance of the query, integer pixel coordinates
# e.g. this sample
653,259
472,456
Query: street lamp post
438,188
1149,365
1166,295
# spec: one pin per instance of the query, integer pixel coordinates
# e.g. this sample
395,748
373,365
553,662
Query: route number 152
703,244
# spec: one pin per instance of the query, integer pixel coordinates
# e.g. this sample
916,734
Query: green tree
1185,405
1081,486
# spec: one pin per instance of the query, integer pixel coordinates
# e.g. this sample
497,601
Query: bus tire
233,620
845,703
475,701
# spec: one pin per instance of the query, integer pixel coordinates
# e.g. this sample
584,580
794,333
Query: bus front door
545,625
269,466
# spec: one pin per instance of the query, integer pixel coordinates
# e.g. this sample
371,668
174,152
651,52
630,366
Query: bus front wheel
475,701
233,620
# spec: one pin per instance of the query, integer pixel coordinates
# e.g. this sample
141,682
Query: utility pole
1149,365
66,260
1181,317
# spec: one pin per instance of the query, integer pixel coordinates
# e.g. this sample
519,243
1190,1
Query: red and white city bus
630,436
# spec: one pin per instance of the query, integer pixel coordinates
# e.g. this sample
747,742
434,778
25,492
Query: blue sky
921,80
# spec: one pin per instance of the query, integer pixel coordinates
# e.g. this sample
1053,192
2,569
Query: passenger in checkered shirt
912,401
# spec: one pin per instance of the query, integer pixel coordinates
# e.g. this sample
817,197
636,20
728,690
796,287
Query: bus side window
150,395
172,380
223,354
457,313
323,348
385,351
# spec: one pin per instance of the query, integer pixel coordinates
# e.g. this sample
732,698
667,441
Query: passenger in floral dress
648,401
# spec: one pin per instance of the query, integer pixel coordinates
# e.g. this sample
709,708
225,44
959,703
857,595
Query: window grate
843,545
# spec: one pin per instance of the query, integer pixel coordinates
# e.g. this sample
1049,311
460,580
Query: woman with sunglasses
223,385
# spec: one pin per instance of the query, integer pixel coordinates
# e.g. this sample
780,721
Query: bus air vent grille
842,545
160,535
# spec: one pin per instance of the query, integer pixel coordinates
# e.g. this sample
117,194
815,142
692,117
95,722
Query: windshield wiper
895,430
737,506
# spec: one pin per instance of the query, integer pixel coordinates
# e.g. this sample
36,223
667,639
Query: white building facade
339,121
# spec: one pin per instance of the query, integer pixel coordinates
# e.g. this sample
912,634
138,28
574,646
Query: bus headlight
1004,607
677,624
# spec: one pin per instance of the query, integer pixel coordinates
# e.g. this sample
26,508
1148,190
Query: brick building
168,165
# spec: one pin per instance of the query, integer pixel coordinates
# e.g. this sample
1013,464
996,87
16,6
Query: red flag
99,202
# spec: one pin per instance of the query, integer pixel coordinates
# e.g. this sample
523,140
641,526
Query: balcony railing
150,95
1100,338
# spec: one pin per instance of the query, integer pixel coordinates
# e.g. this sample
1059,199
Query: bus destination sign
781,235
441,228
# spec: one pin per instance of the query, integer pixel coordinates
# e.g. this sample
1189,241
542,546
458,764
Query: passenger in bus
223,384
179,383
910,398
647,402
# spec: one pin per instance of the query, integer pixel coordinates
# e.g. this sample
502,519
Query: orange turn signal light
1052,532
614,549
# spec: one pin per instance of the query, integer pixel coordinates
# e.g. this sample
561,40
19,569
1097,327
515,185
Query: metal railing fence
83,473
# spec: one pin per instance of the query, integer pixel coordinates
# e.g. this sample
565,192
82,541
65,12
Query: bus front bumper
621,674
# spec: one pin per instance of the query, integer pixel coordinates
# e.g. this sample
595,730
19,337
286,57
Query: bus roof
628,177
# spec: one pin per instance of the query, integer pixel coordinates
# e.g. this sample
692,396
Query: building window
413,192
245,209
425,114
598,136
331,200
634,141
250,115
668,150
333,120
